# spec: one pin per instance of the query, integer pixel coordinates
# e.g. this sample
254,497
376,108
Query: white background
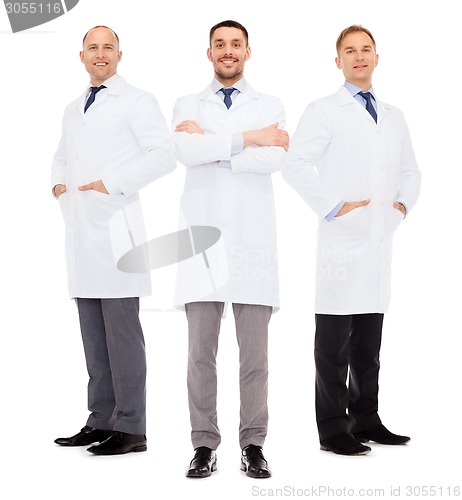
43,375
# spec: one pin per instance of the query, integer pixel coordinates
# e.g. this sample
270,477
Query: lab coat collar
114,85
346,99
245,95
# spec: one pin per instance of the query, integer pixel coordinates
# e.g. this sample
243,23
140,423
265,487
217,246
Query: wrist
402,208
249,138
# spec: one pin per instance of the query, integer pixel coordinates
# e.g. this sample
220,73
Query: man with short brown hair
351,160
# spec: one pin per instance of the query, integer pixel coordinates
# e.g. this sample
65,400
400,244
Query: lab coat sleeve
309,143
409,173
58,167
263,159
156,156
197,149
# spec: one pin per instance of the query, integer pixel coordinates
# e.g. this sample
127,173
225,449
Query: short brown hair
229,24
355,28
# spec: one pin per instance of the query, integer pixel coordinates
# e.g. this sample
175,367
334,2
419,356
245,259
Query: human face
100,55
357,59
228,52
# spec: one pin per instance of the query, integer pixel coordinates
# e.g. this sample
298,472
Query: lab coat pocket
196,208
64,205
347,233
102,207
260,228
394,219
350,215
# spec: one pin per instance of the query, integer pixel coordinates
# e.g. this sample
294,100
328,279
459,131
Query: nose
229,50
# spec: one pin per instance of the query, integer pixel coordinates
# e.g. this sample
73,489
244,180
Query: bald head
99,27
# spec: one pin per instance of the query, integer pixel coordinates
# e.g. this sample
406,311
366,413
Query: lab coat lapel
209,95
346,99
80,103
115,89
244,97
382,111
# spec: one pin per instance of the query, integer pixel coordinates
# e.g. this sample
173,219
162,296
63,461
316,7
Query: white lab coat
233,193
339,153
122,139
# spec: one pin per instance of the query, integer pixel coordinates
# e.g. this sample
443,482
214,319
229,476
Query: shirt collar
239,85
109,83
354,89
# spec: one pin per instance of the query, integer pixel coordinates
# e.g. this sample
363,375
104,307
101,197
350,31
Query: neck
97,83
363,85
228,82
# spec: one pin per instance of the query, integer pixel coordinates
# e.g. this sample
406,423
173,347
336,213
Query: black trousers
347,346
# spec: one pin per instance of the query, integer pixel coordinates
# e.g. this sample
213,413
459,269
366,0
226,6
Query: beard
233,75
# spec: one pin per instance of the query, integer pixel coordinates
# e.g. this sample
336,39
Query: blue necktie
369,106
228,93
91,98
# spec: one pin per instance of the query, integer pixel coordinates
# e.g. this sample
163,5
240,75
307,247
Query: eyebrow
363,47
103,44
233,40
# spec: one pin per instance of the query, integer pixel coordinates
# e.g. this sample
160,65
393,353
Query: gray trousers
116,362
204,319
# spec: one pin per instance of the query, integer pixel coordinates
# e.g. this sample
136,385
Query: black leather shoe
119,443
86,436
344,444
253,463
380,434
203,463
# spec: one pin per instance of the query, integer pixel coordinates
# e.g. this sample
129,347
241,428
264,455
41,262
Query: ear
248,53
338,62
119,56
82,56
376,60
209,54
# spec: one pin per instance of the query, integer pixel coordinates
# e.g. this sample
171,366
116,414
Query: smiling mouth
228,62
101,64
